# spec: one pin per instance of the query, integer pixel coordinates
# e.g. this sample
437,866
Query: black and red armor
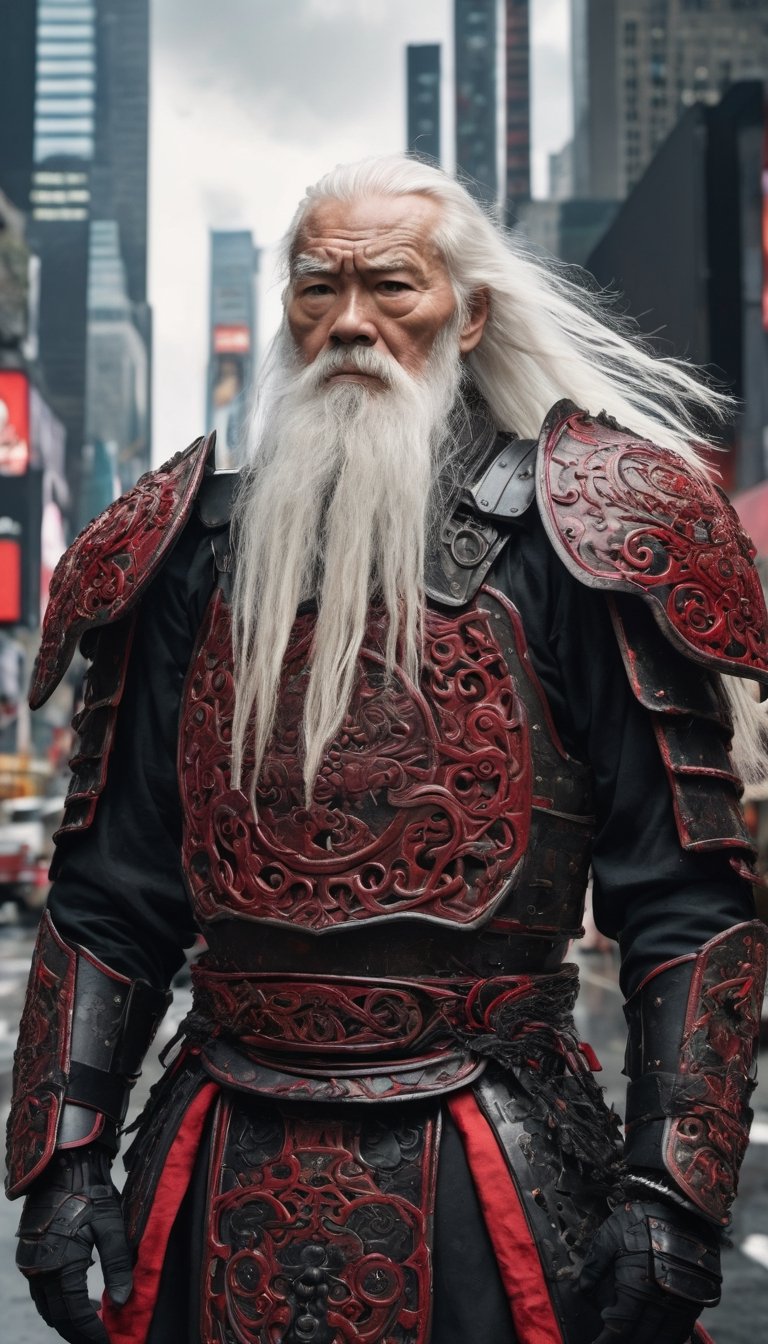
400,940
83,1036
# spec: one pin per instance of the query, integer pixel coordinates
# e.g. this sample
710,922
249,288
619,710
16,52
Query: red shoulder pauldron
102,575
627,516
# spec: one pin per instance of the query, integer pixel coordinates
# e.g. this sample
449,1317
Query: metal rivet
117,999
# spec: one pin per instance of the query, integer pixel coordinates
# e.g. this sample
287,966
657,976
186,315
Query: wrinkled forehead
384,231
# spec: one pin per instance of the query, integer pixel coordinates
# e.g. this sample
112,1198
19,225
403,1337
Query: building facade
517,185
638,65
116,416
423,105
233,340
696,283
475,42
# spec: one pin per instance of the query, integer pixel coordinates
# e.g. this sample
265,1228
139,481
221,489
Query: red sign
14,422
10,580
231,340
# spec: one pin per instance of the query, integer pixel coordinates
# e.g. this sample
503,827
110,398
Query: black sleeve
119,889
659,900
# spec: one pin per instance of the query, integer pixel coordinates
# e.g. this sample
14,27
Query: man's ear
479,311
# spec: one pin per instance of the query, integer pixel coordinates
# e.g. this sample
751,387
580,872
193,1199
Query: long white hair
548,337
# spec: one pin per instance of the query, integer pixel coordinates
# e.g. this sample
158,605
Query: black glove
651,1269
71,1207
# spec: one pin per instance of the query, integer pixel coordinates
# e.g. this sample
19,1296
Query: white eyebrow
389,261
305,264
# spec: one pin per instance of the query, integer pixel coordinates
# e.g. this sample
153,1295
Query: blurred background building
233,340
695,281
638,65
517,107
74,88
475,55
423,91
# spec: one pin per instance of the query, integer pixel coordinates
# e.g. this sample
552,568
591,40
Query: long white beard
340,494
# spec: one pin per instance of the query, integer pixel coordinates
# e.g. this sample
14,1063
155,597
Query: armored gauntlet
693,1028
84,1032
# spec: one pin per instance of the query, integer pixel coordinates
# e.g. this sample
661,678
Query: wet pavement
740,1319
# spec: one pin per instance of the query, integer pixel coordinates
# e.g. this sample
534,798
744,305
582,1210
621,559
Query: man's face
367,274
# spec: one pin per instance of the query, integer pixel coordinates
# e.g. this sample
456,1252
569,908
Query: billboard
10,571
233,340
33,496
14,422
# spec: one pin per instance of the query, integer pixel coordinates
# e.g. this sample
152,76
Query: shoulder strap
477,531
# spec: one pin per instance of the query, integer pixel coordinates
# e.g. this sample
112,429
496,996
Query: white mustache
360,357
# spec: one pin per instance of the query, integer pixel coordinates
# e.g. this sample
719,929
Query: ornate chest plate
422,805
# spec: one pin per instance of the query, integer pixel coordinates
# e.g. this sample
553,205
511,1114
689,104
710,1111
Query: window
79,146
64,31
64,126
70,107
70,212
62,10
45,86
64,50
60,196
65,67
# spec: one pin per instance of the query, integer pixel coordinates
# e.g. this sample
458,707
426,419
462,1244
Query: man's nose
353,324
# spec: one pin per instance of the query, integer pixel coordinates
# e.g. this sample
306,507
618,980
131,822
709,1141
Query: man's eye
394,286
318,288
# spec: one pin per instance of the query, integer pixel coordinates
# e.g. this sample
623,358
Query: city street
740,1319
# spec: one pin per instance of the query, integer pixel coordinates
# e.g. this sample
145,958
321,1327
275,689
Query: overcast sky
252,100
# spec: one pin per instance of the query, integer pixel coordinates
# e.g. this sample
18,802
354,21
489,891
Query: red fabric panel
702,1336
516,1253
130,1324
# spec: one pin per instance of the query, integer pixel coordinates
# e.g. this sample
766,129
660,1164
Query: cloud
300,65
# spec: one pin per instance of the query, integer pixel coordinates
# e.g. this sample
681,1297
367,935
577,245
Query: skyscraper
639,64
476,105
116,362
123,131
595,98
518,101
233,340
73,148
18,25
423,84
59,200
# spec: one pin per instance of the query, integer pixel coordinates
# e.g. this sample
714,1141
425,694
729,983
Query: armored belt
336,1038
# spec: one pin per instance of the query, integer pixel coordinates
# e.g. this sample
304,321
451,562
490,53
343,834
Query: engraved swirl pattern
97,577
319,1230
422,805
633,512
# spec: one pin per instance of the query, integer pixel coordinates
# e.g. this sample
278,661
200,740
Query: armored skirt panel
450,803
420,1223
